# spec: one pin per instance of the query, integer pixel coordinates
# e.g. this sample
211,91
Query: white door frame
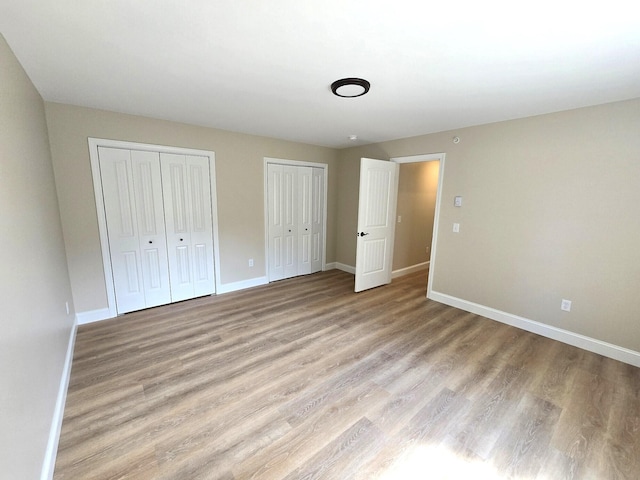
94,143
436,220
280,161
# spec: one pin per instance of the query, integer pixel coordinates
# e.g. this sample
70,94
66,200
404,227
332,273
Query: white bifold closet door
187,206
132,192
295,216
159,226
305,210
317,220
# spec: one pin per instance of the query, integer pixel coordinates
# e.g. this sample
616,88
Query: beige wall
550,212
34,281
417,189
240,187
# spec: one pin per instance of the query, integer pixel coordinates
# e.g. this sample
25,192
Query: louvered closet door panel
122,230
305,211
275,231
199,189
151,232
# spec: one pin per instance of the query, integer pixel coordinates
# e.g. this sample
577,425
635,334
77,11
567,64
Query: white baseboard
329,266
394,274
565,336
56,424
91,316
345,268
241,285
413,268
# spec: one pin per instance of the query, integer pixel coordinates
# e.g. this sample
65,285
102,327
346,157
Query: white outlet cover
565,305
456,227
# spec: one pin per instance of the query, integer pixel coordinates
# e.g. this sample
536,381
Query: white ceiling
265,66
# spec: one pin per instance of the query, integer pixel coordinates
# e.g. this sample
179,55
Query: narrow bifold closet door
282,230
132,192
187,205
317,220
305,224
295,206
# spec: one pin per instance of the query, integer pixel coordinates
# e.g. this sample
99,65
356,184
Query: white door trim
436,221
299,163
94,143
419,158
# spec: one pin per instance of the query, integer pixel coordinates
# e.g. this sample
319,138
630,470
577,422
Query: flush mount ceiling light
350,87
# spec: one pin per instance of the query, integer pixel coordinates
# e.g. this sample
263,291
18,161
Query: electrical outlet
565,305
456,227
251,262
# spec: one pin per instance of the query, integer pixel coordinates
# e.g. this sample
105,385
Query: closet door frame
94,143
280,161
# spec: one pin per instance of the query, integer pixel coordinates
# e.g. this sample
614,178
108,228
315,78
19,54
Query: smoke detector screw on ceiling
350,87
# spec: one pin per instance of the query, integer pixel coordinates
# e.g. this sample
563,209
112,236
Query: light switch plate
457,201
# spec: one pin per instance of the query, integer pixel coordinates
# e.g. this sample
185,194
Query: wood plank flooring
303,379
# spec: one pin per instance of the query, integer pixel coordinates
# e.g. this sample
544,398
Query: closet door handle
181,239
150,241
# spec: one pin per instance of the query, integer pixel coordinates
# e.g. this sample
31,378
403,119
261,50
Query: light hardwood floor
303,379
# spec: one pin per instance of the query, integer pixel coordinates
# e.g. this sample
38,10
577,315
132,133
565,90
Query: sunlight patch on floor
438,463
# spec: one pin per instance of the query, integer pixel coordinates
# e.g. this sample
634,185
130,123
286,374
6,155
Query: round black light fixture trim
350,87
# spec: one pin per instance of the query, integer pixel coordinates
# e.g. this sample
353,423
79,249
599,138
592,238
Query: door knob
150,241
181,239
362,234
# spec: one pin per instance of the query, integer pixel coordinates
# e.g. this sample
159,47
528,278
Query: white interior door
376,223
187,207
129,195
275,228
145,167
290,220
201,225
283,244
122,223
294,200
135,223
305,212
317,220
